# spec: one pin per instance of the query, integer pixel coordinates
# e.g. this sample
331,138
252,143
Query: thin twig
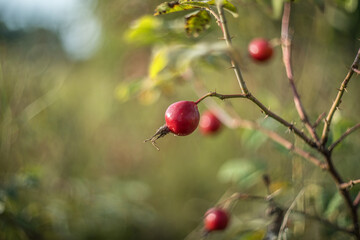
220,96
342,137
212,12
287,214
357,200
286,50
318,120
337,101
349,184
227,38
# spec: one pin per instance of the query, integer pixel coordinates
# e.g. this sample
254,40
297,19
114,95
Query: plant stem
246,92
235,121
267,111
286,50
342,137
220,96
338,181
349,184
337,101
227,38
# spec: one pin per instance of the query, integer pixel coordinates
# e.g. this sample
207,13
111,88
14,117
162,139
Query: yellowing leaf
144,30
197,22
170,7
158,63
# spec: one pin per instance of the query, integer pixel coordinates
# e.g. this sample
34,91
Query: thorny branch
286,50
338,98
316,145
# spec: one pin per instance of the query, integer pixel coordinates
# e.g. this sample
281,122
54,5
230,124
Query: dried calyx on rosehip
182,118
215,219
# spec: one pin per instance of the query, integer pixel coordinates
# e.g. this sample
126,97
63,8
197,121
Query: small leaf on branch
182,5
170,7
197,22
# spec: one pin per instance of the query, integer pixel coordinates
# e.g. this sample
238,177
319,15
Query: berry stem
221,96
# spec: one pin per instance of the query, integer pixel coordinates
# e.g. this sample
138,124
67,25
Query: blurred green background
73,164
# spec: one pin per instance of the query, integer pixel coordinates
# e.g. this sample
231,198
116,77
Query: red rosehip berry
209,123
260,49
216,219
182,118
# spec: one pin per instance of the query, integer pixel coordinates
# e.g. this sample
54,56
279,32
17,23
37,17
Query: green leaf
277,6
241,171
333,206
199,4
230,8
170,7
227,6
182,5
253,139
197,22
144,30
158,63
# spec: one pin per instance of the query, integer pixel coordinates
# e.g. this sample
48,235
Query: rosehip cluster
215,219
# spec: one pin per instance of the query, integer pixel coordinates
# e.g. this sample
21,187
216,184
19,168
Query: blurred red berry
182,118
260,49
209,123
216,219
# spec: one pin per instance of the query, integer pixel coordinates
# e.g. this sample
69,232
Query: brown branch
357,200
286,50
227,38
235,121
347,198
337,101
349,184
267,111
318,120
342,137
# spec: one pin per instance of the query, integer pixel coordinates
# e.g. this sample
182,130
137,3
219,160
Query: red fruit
182,118
216,219
260,49
209,123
